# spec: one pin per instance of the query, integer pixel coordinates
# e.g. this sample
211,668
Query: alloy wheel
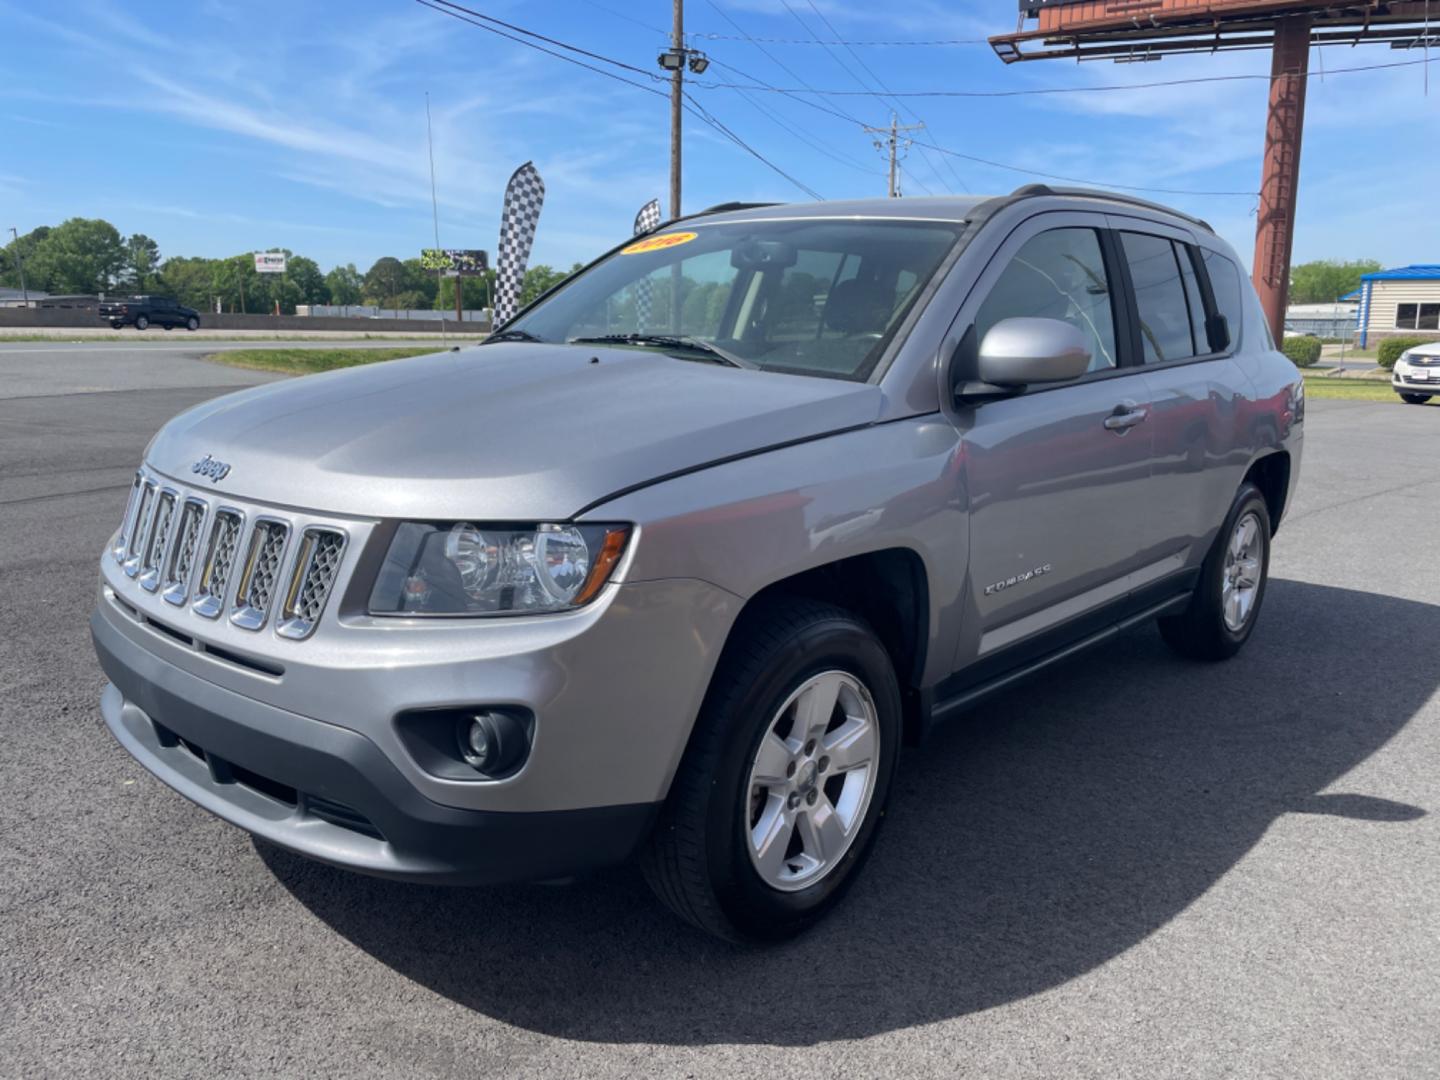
1240,584
811,781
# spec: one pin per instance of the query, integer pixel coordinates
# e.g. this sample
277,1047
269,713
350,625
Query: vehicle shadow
1044,834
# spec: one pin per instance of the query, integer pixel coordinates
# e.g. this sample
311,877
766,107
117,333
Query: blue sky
218,127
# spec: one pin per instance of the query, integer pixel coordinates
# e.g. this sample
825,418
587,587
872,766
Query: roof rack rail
726,207
1036,190
718,208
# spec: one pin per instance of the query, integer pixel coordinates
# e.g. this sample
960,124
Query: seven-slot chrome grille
214,558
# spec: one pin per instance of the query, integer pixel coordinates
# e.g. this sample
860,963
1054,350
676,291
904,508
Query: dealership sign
454,262
269,262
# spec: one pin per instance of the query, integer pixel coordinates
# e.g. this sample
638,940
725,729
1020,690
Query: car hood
520,432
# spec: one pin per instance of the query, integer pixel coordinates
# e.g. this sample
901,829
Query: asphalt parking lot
1137,867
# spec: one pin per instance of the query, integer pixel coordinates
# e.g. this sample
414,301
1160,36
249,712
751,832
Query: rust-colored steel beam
1280,177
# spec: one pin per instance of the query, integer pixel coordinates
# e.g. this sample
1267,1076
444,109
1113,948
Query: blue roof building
1401,302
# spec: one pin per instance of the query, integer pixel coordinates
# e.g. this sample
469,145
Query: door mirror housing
1020,351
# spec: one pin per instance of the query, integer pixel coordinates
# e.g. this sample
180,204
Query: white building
1404,302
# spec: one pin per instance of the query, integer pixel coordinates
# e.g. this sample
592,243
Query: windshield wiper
512,335
671,341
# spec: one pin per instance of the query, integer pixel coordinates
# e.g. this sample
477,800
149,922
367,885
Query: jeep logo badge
208,466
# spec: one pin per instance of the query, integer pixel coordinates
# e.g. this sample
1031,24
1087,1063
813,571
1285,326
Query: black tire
1415,399
192,323
117,325
697,860
169,327
1201,631
141,322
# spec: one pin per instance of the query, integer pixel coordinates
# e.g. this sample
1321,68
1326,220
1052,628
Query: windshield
813,297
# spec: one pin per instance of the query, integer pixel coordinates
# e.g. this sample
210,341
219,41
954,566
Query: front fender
744,525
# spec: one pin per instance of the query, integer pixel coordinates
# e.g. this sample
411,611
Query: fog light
492,742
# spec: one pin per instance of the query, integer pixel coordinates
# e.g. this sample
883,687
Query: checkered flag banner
645,220
524,196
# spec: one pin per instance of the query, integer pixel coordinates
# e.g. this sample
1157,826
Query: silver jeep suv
672,565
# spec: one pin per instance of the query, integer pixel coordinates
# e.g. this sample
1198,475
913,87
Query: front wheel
1226,601
777,801
116,324
141,322
192,323
1415,399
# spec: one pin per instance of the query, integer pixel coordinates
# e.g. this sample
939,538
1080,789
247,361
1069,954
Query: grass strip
1352,389
309,361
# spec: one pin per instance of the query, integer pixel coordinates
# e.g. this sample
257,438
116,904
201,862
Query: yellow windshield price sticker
659,243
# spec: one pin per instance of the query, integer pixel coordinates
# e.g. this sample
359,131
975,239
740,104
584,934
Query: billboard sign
454,262
269,262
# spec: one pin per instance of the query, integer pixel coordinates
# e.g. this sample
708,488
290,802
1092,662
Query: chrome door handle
1125,416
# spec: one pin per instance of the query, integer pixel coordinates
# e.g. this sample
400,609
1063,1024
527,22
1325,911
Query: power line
1079,179
720,126
798,133
1042,90
435,5
474,18
881,83
709,119
541,37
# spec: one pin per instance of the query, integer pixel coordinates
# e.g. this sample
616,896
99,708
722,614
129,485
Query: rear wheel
1415,399
141,322
775,807
1227,599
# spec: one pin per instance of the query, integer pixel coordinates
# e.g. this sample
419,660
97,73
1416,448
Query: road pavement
1137,867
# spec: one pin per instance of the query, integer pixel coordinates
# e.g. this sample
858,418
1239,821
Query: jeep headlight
463,568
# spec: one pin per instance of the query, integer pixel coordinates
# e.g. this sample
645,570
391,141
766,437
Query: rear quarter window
1229,290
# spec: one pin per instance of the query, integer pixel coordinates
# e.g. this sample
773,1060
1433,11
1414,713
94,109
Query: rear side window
1167,328
1225,284
1058,274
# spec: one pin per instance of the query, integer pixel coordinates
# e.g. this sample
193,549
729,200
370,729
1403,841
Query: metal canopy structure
1132,31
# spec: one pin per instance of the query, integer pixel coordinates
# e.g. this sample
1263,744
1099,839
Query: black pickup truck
142,312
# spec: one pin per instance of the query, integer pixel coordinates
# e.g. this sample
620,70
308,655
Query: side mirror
1021,351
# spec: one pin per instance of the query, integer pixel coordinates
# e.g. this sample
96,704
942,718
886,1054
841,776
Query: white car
1417,374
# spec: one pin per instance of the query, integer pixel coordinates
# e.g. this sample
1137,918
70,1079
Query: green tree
385,280
189,280
541,279
22,250
476,292
1324,280
142,261
304,274
344,283
81,255
422,281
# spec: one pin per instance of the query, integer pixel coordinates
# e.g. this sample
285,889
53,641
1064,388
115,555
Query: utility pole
24,292
677,101
892,141
675,60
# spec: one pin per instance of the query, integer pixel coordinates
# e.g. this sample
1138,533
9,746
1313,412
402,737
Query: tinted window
1417,316
1194,299
1225,284
1162,307
817,296
1057,275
